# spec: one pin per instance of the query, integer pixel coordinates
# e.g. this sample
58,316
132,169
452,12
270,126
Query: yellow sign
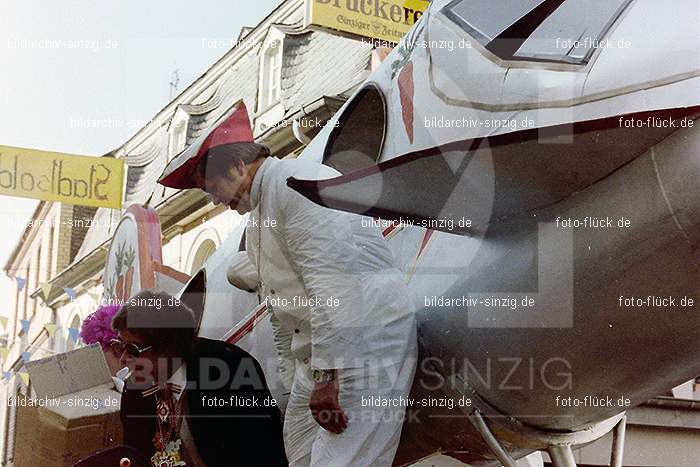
382,20
66,178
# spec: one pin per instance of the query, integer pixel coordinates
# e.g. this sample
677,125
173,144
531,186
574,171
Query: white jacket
334,259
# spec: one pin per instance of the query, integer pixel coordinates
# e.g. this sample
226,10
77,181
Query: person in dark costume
192,401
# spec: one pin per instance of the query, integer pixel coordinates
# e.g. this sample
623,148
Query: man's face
228,189
145,364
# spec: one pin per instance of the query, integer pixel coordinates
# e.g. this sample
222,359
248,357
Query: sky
81,77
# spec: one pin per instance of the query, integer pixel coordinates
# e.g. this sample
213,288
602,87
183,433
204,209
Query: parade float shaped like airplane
535,168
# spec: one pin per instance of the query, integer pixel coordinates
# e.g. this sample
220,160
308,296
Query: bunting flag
45,289
25,377
21,282
70,292
25,324
4,352
50,328
26,356
6,375
73,333
95,297
3,321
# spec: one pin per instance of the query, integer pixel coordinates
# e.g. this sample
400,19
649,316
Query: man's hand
325,407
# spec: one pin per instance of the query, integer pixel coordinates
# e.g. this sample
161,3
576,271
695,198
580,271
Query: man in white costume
343,323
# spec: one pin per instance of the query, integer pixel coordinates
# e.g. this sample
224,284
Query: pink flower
97,327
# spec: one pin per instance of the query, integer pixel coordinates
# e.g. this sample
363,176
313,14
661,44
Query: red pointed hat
232,127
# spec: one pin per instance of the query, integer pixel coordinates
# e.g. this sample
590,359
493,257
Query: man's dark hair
162,320
218,160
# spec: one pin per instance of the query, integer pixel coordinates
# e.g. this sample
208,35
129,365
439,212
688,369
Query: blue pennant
21,282
70,292
26,356
73,333
25,324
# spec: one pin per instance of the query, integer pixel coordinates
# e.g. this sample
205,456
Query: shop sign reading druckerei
66,178
381,20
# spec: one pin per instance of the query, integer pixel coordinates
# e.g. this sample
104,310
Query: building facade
49,244
292,79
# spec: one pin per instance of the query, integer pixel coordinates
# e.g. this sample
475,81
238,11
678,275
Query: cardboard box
73,411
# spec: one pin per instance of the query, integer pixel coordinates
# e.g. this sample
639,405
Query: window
25,293
11,426
18,306
358,139
52,232
205,250
179,138
37,281
271,72
178,131
538,30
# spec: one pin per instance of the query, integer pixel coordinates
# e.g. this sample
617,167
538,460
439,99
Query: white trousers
373,432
